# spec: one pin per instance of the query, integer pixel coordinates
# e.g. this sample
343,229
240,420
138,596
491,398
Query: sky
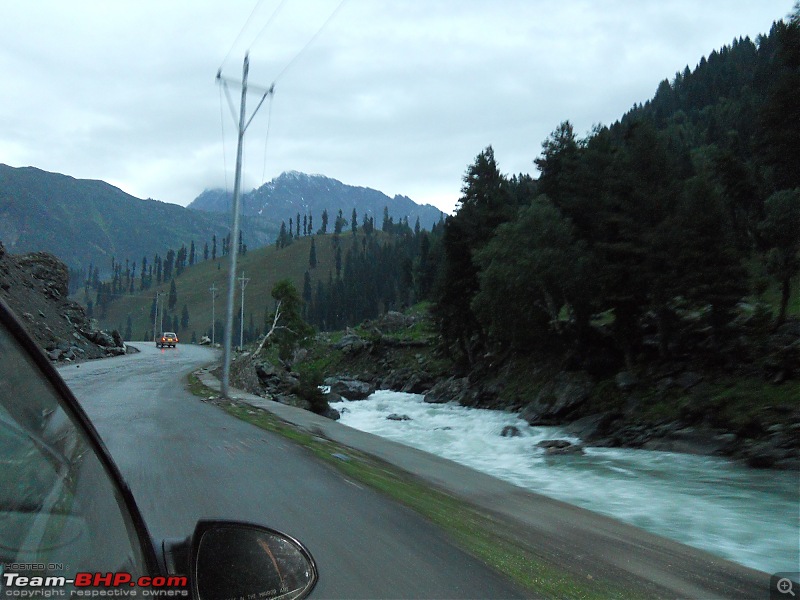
396,95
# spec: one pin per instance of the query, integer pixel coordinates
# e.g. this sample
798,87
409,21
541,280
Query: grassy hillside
263,267
87,222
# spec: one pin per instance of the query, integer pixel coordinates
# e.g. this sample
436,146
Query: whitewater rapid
748,516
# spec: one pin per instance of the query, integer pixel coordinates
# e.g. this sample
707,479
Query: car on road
168,338
69,523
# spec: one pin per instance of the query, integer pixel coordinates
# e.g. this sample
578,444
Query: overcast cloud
395,95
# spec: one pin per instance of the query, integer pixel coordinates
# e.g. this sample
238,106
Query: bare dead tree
275,327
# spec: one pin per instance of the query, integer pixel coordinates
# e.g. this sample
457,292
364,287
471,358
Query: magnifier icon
784,586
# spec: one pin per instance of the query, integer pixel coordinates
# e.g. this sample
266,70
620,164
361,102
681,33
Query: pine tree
324,229
312,255
173,295
191,254
159,269
306,295
168,264
339,223
781,230
185,318
214,247
354,221
386,221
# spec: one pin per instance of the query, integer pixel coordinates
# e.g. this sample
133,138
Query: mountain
292,192
88,222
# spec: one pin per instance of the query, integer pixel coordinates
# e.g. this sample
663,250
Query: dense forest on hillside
644,239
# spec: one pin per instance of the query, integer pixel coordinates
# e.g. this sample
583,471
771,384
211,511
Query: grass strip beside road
478,533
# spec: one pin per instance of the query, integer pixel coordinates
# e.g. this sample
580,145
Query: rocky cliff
35,287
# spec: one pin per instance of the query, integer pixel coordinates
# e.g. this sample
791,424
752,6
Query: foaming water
748,516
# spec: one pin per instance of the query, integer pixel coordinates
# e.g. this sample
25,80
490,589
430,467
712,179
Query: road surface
186,460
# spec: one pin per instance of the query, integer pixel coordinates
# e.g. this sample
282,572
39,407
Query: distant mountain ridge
86,221
293,192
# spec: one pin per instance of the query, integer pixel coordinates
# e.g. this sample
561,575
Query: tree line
672,215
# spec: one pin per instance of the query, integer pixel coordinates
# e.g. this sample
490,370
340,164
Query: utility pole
237,184
213,290
241,318
155,318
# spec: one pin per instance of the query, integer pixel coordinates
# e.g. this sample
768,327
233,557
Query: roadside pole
155,318
244,281
233,249
213,290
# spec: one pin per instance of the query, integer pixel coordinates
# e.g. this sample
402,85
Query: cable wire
241,31
271,18
266,138
224,151
311,41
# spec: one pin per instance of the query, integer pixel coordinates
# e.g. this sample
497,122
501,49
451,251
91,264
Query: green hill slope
263,267
87,222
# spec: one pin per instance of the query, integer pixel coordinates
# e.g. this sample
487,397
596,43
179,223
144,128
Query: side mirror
233,560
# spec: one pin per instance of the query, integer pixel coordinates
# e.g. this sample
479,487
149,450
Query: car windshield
59,509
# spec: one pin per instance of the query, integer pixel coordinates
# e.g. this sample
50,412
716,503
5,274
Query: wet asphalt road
186,460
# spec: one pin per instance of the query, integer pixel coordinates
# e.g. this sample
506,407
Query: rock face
454,389
48,270
36,286
350,343
258,376
558,398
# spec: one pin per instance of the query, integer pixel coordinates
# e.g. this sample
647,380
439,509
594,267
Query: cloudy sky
397,95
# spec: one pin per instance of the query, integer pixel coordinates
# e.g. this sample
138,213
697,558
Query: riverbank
592,549
746,413
721,506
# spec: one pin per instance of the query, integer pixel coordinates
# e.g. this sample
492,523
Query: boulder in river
511,431
396,417
350,389
553,447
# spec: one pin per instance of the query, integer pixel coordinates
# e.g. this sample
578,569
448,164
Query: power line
269,122
241,31
271,18
311,41
224,151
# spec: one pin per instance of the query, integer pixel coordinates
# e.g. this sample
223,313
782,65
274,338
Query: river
745,515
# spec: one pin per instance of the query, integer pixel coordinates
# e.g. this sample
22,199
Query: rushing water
745,515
